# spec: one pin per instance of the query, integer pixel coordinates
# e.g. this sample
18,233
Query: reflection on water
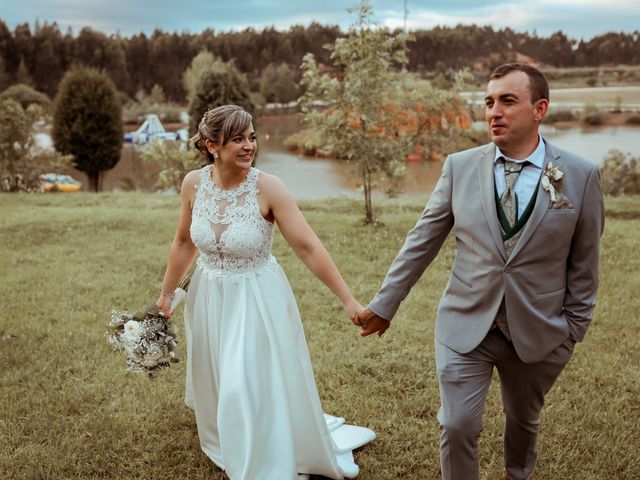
307,178
593,143
316,178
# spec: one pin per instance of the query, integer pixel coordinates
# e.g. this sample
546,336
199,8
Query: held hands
370,322
352,308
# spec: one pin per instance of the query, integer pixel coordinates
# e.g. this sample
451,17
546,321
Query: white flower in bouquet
132,330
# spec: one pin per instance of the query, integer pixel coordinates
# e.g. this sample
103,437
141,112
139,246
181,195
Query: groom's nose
495,111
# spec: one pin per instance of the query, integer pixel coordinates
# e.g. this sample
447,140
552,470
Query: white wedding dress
249,375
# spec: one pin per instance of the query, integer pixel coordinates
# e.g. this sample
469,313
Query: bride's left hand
352,308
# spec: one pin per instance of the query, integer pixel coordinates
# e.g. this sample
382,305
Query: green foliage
155,102
136,112
87,122
157,95
203,62
21,162
620,174
277,83
4,77
220,86
559,116
123,97
175,159
25,96
373,114
139,61
15,141
22,75
306,141
355,101
592,114
40,56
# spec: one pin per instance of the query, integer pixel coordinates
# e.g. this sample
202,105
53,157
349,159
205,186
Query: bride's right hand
164,302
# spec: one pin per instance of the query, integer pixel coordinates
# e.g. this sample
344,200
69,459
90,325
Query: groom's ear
540,109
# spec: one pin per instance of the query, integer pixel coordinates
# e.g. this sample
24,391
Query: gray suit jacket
550,281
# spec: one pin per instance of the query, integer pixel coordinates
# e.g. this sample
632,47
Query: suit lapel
487,195
540,208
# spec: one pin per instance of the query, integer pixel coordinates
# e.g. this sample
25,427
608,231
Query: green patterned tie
509,199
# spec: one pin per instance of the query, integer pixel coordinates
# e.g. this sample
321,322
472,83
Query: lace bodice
231,234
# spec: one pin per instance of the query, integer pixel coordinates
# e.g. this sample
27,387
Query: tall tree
8,50
203,62
372,115
48,61
277,83
138,60
87,122
116,64
22,75
15,142
4,77
217,87
25,45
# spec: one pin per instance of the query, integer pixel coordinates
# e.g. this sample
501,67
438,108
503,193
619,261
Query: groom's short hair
538,85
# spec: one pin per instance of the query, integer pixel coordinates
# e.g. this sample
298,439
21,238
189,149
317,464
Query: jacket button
507,269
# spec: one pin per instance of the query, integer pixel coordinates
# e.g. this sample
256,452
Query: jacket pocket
552,293
457,277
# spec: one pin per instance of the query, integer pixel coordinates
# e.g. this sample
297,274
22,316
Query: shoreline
608,119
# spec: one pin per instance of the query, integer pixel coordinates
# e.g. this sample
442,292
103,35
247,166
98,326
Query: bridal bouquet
146,337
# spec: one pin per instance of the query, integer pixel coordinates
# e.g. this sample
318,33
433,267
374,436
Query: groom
527,219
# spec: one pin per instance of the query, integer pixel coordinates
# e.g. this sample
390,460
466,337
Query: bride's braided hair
219,125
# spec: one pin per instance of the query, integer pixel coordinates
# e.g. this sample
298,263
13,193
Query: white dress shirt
528,179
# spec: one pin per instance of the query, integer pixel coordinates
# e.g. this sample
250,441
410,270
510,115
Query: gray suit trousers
464,382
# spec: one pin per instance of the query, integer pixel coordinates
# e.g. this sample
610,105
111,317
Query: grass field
69,411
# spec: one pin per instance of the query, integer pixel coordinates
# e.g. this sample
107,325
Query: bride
249,375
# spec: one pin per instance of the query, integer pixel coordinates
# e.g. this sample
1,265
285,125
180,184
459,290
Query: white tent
151,128
151,125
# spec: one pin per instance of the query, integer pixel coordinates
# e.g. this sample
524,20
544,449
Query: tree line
40,56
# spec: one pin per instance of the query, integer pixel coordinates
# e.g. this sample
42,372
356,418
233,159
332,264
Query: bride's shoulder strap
205,176
254,175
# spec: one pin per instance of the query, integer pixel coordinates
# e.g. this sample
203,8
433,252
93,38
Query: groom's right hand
372,323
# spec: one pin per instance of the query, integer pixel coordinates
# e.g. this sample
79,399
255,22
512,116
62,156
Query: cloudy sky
577,18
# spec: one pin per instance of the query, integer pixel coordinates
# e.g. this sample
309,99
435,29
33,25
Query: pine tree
22,75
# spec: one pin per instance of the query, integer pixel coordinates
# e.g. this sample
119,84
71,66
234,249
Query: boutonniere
551,178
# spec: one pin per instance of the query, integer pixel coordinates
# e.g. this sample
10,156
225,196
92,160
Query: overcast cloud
577,18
